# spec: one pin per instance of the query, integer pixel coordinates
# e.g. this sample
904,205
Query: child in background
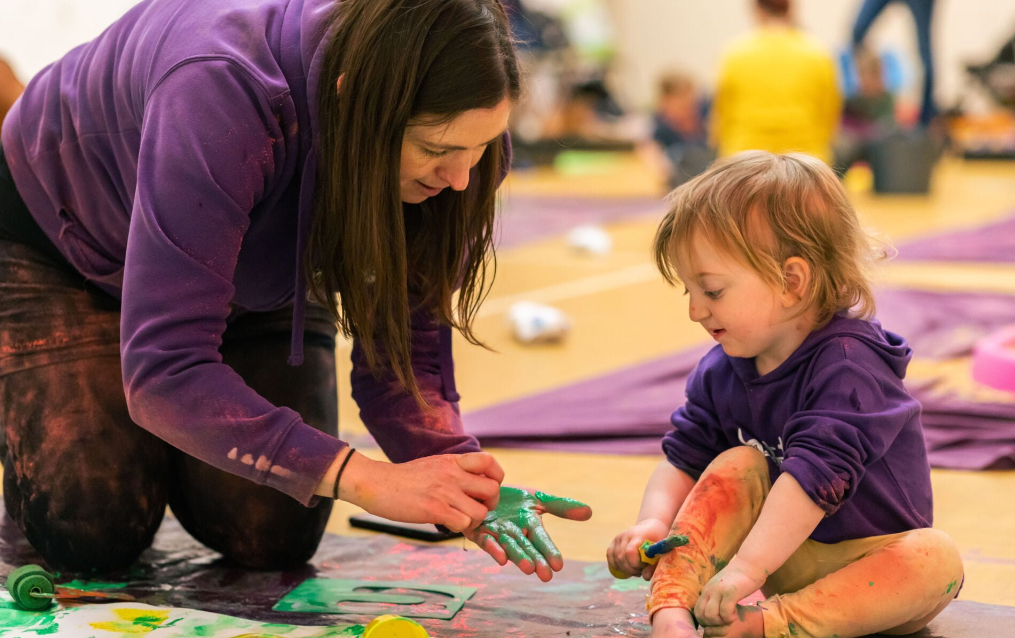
797,464
679,145
868,116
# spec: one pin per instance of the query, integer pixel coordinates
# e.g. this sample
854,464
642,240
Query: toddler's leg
896,589
716,517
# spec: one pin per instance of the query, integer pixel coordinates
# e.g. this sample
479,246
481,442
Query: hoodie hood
889,346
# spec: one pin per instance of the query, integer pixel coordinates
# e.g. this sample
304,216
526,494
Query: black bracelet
341,469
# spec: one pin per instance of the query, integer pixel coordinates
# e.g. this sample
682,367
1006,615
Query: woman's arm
202,166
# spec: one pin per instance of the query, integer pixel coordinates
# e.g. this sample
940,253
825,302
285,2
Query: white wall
689,34
34,33
653,35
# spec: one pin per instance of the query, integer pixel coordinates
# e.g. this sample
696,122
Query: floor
624,314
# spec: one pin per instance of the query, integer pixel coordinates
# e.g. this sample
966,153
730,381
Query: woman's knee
254,526
286,543
84,530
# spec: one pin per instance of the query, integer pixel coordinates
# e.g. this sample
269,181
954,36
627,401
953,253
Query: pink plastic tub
994,360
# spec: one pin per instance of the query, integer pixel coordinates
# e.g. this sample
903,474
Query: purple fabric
171,161
527,218
627,412
991,243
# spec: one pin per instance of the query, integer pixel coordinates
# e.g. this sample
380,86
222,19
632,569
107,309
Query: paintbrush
651,552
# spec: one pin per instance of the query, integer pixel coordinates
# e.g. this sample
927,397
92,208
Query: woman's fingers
481,463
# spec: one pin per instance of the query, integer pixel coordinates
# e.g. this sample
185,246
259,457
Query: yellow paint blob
133,621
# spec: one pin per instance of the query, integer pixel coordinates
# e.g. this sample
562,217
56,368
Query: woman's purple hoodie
171,161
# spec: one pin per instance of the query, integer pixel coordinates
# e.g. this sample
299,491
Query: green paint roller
651,552
33,589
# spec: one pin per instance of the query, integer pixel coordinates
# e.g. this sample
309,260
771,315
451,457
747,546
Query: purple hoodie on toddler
835,415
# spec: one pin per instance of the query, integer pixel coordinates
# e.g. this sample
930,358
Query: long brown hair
404,61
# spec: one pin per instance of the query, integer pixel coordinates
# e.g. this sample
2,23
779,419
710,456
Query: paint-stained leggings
892,584
85,484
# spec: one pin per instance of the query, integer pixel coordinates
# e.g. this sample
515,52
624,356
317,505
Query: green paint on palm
517,527
559,503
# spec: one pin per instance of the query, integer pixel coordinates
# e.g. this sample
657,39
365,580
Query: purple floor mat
526,218
991,243
626,412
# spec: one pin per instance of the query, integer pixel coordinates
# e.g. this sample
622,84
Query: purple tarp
626,412
991,243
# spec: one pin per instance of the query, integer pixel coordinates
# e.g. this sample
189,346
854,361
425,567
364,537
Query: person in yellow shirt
777,90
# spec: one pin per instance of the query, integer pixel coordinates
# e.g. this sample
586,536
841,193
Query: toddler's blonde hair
761,209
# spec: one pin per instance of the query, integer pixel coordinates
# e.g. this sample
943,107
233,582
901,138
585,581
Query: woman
777,89
175,188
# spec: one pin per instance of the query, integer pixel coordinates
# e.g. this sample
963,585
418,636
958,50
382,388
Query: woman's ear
796,275
338,84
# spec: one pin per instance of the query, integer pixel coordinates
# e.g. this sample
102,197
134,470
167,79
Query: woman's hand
515,530
453,490
623,556
717,604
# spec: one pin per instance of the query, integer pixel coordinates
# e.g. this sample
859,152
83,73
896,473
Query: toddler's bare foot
673,622
749,624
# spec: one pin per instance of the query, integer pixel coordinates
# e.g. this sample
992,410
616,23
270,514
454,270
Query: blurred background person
777,89
679,147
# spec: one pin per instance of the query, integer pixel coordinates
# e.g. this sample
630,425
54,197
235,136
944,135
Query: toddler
797,464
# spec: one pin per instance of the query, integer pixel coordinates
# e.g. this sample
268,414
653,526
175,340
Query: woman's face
439,156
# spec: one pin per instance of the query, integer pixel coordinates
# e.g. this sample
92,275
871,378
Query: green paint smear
792,629
871,584
718,563
950,585
87,585
630,584
594,570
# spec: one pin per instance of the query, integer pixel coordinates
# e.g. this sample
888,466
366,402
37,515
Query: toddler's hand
622,554
717,604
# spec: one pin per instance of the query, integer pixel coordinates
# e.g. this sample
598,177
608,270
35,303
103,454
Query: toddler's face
737,307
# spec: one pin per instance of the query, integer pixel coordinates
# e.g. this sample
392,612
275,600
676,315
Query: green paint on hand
950,585
517,527
743,610
718,563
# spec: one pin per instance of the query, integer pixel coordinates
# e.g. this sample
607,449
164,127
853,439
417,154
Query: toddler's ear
796,275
